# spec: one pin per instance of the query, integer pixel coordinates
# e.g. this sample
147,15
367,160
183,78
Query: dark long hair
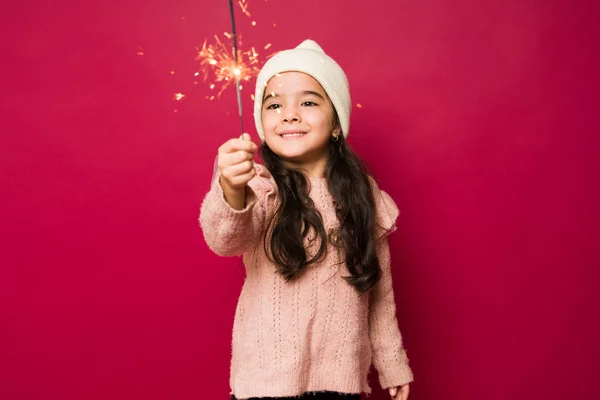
350,187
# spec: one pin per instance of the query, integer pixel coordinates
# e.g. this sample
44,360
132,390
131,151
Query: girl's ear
337,129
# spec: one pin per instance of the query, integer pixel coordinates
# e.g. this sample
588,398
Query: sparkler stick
237,70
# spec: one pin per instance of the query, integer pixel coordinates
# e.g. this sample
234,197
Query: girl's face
298,120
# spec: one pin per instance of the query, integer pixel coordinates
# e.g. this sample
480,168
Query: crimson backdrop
476,118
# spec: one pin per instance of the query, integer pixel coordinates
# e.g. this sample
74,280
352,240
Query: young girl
317,305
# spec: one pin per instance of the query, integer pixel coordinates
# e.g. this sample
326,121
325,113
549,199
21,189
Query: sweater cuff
395,375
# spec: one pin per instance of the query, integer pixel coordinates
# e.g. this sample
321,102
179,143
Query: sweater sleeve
231,232
389,355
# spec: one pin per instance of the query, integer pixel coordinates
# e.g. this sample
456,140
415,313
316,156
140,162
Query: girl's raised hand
399,392
235,162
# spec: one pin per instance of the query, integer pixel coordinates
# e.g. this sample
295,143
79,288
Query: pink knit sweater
315,333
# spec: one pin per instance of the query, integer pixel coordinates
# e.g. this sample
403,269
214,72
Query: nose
291,114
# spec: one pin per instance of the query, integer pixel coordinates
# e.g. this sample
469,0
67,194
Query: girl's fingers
243,179
230,159
239,157
404,392
246,141
237,144
399,392
246,144
241,168
235,160
234,171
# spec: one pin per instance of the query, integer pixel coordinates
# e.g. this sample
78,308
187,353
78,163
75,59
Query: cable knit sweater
315,333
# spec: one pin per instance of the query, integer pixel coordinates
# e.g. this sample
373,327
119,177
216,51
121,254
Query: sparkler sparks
244,6
218,59
219,66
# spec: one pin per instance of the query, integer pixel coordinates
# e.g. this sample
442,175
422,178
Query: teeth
292,134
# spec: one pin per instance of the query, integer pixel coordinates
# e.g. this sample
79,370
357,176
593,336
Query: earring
335,138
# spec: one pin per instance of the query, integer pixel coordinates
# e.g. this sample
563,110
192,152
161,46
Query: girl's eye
309,103
273,106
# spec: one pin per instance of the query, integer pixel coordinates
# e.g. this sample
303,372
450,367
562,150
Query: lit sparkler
224,63
217,59
236,71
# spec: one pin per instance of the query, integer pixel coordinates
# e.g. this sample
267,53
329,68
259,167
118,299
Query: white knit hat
310,59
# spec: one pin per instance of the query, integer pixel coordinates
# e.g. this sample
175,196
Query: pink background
478,118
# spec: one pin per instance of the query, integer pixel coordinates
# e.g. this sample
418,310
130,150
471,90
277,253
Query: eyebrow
303,93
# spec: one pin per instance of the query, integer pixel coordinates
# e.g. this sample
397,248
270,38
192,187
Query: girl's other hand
399,392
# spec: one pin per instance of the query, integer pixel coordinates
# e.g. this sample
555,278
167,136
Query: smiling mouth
290,135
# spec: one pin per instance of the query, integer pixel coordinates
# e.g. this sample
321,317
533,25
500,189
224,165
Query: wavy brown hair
350,187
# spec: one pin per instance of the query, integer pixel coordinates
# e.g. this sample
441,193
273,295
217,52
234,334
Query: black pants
312,396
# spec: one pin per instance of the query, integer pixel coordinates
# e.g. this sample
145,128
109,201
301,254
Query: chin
288,150
291,156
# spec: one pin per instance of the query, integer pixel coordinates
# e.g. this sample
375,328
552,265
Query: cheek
321,121
270,118
267,121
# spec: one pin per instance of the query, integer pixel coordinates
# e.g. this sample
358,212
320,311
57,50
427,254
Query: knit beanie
310,59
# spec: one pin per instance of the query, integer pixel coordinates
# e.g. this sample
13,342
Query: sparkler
218,59
237,71
226,64
222,64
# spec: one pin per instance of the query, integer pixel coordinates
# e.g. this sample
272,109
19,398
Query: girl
317,305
